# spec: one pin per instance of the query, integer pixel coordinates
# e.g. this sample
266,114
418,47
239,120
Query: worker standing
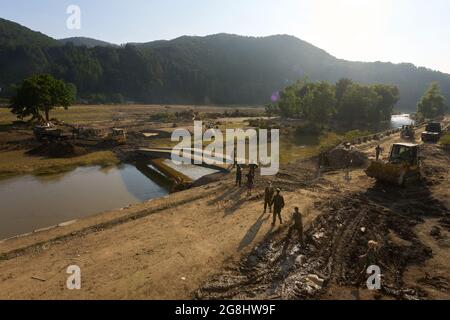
298,224
378,151
347,176
253,167
250,181
235,162
238,175
268,196
278,205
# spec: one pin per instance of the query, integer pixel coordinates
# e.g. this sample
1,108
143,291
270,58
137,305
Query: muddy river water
29,203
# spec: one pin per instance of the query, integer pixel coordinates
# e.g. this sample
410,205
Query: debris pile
342,157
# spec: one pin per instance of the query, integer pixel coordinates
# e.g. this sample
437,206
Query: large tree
40,94
432,104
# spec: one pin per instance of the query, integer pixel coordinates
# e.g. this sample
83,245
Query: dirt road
168,248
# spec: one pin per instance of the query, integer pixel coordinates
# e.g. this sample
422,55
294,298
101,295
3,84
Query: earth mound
342,157
58,150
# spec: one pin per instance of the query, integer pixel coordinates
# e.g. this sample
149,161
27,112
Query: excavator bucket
387,172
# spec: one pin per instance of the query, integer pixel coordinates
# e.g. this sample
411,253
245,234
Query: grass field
17,162
96,113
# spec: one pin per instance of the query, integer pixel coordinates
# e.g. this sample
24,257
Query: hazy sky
416,31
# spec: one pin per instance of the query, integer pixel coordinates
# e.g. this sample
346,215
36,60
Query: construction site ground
214,241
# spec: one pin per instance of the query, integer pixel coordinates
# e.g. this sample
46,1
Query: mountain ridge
220,68
86,41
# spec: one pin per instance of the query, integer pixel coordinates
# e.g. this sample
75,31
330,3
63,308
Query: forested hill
88,42
219,69
13,34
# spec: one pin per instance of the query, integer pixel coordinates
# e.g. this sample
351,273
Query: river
33,202
399,120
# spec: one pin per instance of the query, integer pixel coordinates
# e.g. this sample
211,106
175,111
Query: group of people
272,199
250,177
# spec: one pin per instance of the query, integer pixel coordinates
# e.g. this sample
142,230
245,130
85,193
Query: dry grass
18,162
445,139
100,113
291,153
6,116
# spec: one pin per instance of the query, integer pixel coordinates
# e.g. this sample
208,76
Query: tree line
351,103
317,102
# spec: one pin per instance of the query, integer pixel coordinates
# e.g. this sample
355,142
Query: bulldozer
403,168
116,136
407,133
432,133
51,133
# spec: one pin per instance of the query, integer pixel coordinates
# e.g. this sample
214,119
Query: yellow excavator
403,168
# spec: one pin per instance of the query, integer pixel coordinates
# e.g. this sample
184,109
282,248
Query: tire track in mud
280,268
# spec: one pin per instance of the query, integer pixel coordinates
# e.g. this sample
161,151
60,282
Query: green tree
41,93
320,102
389,97
359,105
432,104
117,98
341,87
289,102
271,110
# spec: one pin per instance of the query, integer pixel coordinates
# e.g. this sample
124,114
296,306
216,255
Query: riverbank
18,162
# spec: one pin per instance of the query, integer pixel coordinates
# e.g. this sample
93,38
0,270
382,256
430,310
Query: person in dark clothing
378,151
250,181
253,167
278,205
298,223
239,175
268,196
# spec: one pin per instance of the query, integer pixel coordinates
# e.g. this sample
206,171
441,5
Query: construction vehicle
408,133
50,133
403,167
432,133
116,136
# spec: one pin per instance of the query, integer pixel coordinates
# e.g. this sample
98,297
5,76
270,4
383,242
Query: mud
281,268
342,157
58,150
